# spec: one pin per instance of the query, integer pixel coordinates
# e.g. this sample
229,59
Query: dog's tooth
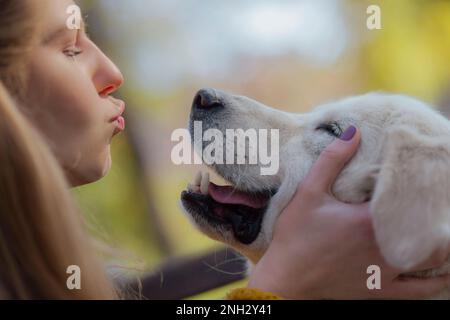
193,188
198,179
204,184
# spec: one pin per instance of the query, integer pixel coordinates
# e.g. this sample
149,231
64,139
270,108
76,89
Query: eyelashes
72,52
74,49
331,128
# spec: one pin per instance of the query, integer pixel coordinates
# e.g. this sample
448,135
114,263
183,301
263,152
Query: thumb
331,161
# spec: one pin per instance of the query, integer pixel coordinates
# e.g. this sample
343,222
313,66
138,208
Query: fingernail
348,134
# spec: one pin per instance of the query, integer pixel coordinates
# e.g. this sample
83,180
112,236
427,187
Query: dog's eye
331,128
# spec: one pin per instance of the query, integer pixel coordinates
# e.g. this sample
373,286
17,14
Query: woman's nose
108,77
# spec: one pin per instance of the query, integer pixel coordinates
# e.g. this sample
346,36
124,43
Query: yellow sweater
251,294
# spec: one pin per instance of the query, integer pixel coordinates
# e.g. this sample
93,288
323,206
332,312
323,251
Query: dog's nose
207,99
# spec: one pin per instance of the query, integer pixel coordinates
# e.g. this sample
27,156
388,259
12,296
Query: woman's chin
101,169
81,176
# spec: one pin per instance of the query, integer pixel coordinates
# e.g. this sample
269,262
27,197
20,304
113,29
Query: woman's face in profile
68,96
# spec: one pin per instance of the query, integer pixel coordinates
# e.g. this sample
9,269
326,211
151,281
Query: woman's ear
411,201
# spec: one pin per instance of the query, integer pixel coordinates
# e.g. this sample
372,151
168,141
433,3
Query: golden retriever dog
402,166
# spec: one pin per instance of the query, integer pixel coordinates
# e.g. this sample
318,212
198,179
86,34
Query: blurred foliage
411,53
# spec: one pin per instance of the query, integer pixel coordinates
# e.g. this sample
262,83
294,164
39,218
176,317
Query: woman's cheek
71,115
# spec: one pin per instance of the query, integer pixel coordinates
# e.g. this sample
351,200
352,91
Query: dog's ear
411,201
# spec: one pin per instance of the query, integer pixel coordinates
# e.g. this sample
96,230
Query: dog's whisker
232,259
223,271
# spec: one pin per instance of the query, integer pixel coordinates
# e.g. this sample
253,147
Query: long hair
41,231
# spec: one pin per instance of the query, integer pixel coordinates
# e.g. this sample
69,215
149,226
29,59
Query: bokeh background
291,55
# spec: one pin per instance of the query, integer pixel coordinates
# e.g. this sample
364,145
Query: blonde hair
41,231
19,32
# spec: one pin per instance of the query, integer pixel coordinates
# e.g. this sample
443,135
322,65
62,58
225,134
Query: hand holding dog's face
332,266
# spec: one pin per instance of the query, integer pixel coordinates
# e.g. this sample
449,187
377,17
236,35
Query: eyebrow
61,31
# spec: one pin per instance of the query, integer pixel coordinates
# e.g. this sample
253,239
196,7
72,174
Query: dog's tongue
229,195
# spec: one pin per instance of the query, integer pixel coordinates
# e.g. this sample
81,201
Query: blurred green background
291,55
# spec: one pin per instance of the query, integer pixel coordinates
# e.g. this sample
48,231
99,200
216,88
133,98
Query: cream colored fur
402,165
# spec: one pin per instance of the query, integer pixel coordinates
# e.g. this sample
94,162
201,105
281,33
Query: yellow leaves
412,52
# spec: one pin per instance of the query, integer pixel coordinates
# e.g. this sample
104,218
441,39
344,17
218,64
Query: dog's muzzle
235,207
225,206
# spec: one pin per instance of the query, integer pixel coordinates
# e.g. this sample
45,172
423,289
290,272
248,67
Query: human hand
321,247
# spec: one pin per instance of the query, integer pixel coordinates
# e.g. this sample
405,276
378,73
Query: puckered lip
120,112
243,220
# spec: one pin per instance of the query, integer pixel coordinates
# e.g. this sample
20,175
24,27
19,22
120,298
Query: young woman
58,119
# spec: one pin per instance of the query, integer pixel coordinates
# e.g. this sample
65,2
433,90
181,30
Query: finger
331,161
419,288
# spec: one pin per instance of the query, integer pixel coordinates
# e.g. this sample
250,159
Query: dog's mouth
227,206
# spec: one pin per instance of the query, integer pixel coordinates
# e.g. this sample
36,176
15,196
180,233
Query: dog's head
402,166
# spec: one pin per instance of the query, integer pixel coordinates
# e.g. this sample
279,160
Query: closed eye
331,128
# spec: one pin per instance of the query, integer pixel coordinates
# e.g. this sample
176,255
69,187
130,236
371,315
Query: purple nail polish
348,134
